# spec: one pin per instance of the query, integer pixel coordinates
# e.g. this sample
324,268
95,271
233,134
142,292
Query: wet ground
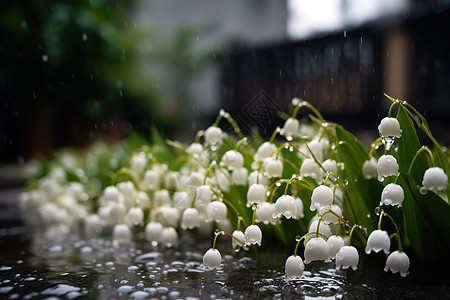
93,268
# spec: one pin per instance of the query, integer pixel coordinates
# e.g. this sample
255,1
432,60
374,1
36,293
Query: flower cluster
240,187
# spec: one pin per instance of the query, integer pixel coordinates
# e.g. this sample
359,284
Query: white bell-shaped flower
324,229
265,150
213,135
161,197
233,160
257,177
138,162
217,211
169,215
330,166
253,235
190,219
238,235
322,196
316,249
203,196
310,168
335,243
129,192
143,200
389,128
329,217
369,168
273,167
294,267
387,166
135,217
347,257
285,205
298,209
256,194
92,223
378,240
239,176
122,234
398,262
265,212
316,148
153,232
434,179
117,212
392,194
111,194
195,149
212,259
169,237
223,179
182,199
290,128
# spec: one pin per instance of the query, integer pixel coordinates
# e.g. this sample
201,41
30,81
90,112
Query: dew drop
222,112
377,210
297,238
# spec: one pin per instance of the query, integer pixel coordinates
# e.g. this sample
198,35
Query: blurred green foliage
85,66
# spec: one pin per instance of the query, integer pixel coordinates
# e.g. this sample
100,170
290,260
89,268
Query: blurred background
72,72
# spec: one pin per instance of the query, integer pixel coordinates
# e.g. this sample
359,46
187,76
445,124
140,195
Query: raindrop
368,215
297,238
44,58
216,231
254,207
345,33
377,210
295,101
222,112
278,184
84,37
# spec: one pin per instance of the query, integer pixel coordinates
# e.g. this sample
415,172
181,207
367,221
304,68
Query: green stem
351,233
274,134
424,148
310,106
399,241
229,234
304,236
230,120
199,134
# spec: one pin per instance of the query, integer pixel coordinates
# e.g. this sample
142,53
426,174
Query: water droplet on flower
368,215
254,207
297,238
423,190
222,112
216,231
278,184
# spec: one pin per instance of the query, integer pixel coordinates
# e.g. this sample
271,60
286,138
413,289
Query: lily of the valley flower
335,243
316,249
389,128
217,211
398,262
294,267
434,178
253,235
378,240
347,257
285,205
213,135
392,195
322,196
369,168
233,160
190,219
256,194
153,232
387,166
212,259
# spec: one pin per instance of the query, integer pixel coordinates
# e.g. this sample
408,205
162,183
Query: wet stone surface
32,268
